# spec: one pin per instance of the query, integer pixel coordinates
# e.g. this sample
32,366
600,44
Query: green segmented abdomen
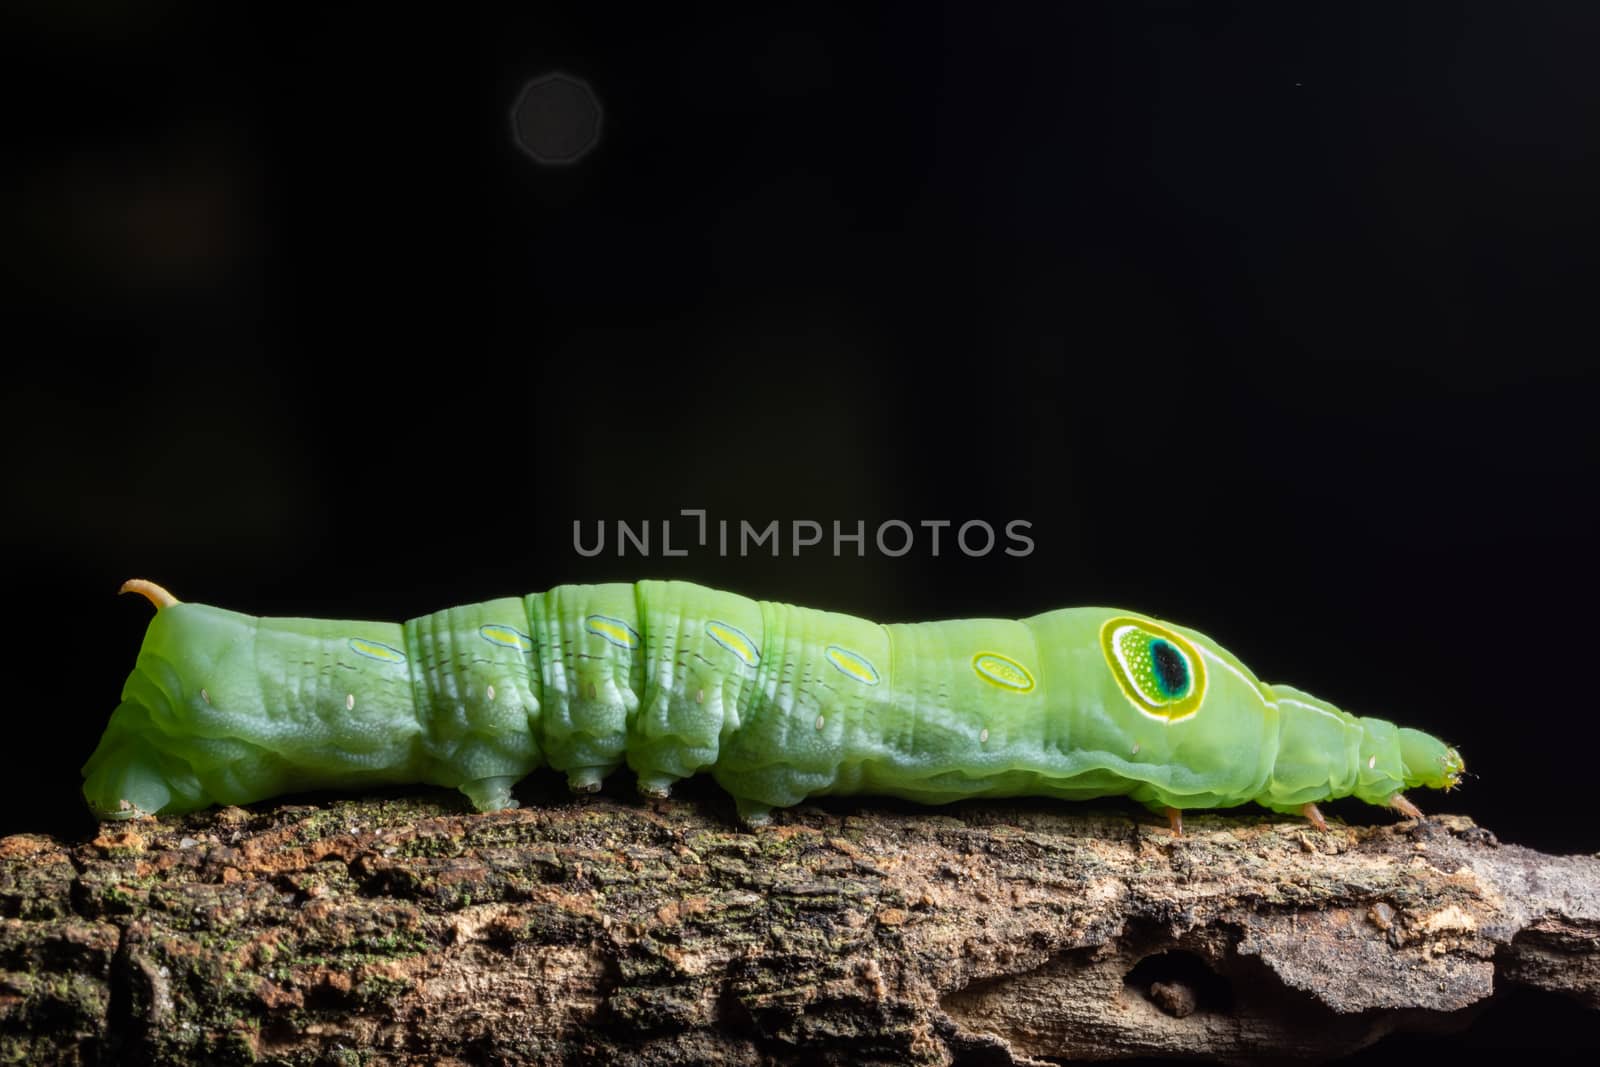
477,701
589,657
777,702
820,687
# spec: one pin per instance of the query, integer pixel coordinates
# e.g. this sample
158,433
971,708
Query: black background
1271,319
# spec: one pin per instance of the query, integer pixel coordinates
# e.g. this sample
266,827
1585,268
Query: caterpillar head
1429,761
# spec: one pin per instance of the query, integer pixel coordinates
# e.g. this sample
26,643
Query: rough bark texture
404,930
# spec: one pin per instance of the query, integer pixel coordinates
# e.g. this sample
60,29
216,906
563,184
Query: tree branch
409,931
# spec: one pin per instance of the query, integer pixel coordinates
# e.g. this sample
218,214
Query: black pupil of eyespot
1172,673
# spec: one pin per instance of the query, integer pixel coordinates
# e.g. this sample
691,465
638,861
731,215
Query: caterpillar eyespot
223,707
1161,672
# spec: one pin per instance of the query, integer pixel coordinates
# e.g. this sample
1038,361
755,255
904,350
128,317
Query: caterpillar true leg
1175,820
1399,803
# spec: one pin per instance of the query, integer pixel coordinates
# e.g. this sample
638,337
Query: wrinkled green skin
228,708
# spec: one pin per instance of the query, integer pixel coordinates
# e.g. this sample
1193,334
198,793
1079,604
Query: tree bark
388,931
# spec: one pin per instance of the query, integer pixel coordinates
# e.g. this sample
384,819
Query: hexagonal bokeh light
556,119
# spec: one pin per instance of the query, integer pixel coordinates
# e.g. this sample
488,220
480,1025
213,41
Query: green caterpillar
777,702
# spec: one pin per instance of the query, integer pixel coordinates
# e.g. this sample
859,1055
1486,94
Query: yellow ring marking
854,664
616,631
734,640
505,636
376,650
1003,671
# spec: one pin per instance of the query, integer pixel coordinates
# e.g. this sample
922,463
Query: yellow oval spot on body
505,637
376,650
855,665
616,631
734,640
1003,671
